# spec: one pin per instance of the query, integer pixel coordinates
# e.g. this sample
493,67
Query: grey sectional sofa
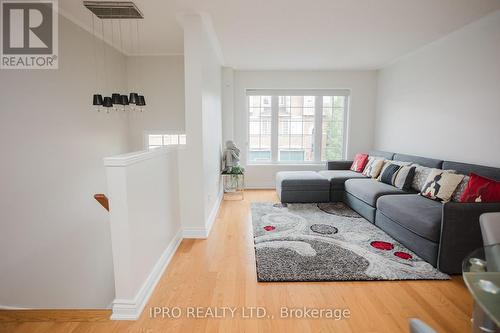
441,234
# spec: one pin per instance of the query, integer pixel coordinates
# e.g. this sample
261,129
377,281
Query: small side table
234,186
481,273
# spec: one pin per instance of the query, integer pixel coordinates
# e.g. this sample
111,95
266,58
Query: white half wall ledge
131,309
145,224
203,233
135,157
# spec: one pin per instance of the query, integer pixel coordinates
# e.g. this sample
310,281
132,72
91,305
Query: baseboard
198,233
263,187
6,307
213,213
131,309
202,233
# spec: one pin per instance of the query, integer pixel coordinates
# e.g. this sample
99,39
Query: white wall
361,112
145,223
443,100
161,80
55,249
200,187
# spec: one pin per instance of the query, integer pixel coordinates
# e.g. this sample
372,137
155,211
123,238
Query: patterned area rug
329,242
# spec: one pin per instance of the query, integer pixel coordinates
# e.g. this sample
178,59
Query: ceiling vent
114,9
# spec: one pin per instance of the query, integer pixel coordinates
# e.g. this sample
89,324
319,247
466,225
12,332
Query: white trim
318,128
212,36
214,212
137,156
263,187
298,92
203,233
206,21
6,307
131,309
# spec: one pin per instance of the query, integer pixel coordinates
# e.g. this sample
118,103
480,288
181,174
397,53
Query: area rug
329,242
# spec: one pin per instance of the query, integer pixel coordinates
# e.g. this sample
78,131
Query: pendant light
124,99
116,99
141,102
97,101
107,10
107,102
133,98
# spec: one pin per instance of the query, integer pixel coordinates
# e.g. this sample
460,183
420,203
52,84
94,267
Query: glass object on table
481,273
234,185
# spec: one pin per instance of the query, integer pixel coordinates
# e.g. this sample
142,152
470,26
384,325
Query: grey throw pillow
388,176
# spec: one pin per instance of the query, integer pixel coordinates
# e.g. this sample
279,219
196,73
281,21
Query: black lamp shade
124,99
134,98
116,99
142,101
97,99
107,102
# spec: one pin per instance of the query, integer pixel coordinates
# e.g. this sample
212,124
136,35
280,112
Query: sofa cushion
301,180
369,190
381,154
420,215
424,161
467,169
338,177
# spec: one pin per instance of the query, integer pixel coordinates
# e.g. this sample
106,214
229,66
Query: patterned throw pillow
368,167
359,162
440,185
460,189
388,174
374,167
404,177
481,189
421,174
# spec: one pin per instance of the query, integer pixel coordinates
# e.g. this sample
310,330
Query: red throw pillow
359,163
481,189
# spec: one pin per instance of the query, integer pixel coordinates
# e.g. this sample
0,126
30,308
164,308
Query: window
259,129
160,140
296,126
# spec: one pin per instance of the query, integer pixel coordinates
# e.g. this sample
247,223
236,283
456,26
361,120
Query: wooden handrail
103,200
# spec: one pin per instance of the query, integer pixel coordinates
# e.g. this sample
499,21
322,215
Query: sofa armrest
339,165
461,233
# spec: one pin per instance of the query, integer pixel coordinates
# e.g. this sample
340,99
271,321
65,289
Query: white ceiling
299,34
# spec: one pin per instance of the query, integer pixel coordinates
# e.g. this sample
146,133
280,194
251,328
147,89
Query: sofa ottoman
337,180
302,186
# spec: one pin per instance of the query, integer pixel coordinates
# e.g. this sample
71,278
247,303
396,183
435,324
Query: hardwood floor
220,272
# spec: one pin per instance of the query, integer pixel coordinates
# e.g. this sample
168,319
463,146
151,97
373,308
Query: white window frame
318,119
